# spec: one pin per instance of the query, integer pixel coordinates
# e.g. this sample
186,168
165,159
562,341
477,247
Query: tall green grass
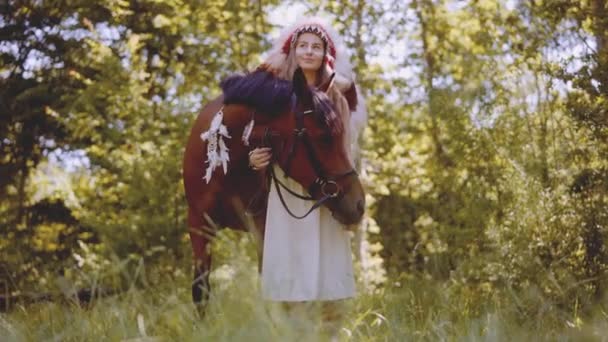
157,307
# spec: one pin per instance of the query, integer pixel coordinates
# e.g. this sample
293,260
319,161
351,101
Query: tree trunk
425,11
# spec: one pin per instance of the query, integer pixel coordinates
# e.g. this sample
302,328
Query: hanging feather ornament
217,151
247,132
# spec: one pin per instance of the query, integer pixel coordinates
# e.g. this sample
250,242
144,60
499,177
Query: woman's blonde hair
281,61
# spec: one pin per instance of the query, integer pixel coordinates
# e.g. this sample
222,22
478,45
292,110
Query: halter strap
297,131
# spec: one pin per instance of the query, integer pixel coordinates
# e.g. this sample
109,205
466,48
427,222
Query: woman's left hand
259,158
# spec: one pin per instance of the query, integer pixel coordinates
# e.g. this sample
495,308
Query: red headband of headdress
330,56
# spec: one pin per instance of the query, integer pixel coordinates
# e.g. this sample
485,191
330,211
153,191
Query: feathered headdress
336,56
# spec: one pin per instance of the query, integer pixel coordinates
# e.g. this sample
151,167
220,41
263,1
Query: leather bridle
327,184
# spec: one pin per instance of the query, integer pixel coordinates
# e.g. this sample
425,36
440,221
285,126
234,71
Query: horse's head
314,151
307,136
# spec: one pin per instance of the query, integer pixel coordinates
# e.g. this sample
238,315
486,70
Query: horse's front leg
201,238
202,264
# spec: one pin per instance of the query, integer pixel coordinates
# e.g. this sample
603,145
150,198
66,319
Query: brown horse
306,137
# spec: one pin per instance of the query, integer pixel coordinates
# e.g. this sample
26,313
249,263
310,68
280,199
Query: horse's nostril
361,207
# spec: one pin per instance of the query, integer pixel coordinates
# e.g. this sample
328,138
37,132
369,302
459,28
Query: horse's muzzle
349,208
349,217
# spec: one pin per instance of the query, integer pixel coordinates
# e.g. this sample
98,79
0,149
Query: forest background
485,157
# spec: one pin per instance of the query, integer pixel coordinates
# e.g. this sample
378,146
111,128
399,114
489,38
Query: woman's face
309,52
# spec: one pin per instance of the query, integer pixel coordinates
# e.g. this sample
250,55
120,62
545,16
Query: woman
309,259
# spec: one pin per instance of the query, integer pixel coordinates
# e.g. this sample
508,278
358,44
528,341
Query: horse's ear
300,86
325,86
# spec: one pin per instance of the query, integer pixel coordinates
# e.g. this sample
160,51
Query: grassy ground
413,311
237,313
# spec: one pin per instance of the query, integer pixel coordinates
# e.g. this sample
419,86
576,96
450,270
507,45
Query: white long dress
307,259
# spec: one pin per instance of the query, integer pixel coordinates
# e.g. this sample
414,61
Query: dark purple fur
260,90
271,95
